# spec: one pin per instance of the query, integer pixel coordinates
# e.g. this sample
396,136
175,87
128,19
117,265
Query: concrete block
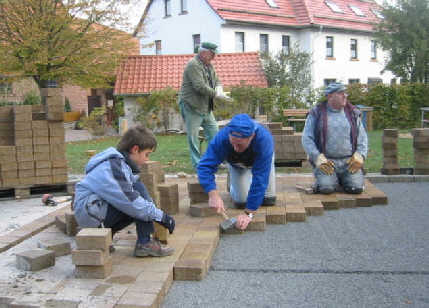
60,223
189,269
161,233
35,260
198,197
94,239
202,210
346,201
90,257
94,271
313,207
377,196
60,246
194,186
295,213
276,215
330,202
258,223
71,224
363,200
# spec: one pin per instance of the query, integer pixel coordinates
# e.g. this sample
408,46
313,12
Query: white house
338,33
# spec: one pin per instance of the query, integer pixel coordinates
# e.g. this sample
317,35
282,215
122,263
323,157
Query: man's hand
216,201
355,162
168,222
242,221
324,164
223,98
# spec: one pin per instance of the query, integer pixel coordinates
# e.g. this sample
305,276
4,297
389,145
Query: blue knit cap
335,87
241,126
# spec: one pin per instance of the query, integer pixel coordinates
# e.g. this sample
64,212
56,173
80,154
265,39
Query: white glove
355,162
324,164
224,98
219,90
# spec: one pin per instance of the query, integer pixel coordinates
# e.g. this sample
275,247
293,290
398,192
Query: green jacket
196,90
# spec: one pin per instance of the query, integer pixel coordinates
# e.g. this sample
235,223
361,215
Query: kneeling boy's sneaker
152,249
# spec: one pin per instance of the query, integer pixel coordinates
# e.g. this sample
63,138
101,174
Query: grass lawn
173,152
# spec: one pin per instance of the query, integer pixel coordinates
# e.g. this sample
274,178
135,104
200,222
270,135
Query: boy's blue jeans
117,220
240,180
193,122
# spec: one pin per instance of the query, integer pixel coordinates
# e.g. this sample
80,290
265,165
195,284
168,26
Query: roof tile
143,74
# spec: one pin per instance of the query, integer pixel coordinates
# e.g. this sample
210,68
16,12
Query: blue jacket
261,151
109,180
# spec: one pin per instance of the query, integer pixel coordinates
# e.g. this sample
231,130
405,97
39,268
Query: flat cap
335,87
209,46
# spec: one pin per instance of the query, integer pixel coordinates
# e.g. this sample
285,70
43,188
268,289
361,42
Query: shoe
240,205
111,248
153,249
269,201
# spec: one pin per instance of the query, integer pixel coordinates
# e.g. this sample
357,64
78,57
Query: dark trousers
117,220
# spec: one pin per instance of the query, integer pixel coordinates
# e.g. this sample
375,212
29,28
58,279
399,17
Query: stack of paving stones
32,148
287,144
91,256
421,150
390,152
165,196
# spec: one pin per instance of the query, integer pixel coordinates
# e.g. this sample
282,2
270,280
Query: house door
93,102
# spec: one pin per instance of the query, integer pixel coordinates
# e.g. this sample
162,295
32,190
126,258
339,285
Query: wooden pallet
24,192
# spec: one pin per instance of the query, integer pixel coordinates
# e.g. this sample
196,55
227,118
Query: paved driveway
361,257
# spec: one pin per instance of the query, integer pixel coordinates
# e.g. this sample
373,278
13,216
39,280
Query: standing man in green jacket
200,87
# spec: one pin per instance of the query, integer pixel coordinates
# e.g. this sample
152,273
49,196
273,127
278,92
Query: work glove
168,222
355,162
324,164
219,90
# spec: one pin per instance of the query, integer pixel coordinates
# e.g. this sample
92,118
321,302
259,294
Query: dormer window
333,6
357,10
271,3
377,13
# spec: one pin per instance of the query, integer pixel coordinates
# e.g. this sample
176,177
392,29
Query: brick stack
390,152
32,148
287,144
421,150
91,256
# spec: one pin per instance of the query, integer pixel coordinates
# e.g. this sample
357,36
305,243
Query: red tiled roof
143,74
297,13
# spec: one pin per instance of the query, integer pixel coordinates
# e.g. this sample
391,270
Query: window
327,82
357,10
239,41
271,3
285,44
184,6
52,84
333,6
263,43
377,13
167,8
158,47
373,50
353,49
374,80
353,81
196,40
5,85
329,46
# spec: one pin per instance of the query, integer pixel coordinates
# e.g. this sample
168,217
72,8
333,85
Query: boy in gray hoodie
111,193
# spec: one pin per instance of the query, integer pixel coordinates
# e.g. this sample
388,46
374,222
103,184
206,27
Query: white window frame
239,42
329,49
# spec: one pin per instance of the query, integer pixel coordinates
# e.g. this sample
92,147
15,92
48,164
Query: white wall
176,32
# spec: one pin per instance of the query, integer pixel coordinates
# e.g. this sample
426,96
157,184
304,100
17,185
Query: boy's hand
168,222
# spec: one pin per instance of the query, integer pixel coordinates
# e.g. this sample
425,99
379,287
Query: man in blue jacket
248,148
111,194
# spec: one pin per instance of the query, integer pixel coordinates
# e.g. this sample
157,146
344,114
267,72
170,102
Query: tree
404,32
292,70
71,41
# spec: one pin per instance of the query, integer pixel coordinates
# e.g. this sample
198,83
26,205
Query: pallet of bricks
32,148
287,144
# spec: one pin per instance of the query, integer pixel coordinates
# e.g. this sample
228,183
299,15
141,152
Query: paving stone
60,222
202,210
346,201
275,215
258,223
198,197
161,233
377,196
90,257
94,239
295,213
71,224
134,300
189,270
330,202
60,246
94,271
313,207
35,260
363,200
